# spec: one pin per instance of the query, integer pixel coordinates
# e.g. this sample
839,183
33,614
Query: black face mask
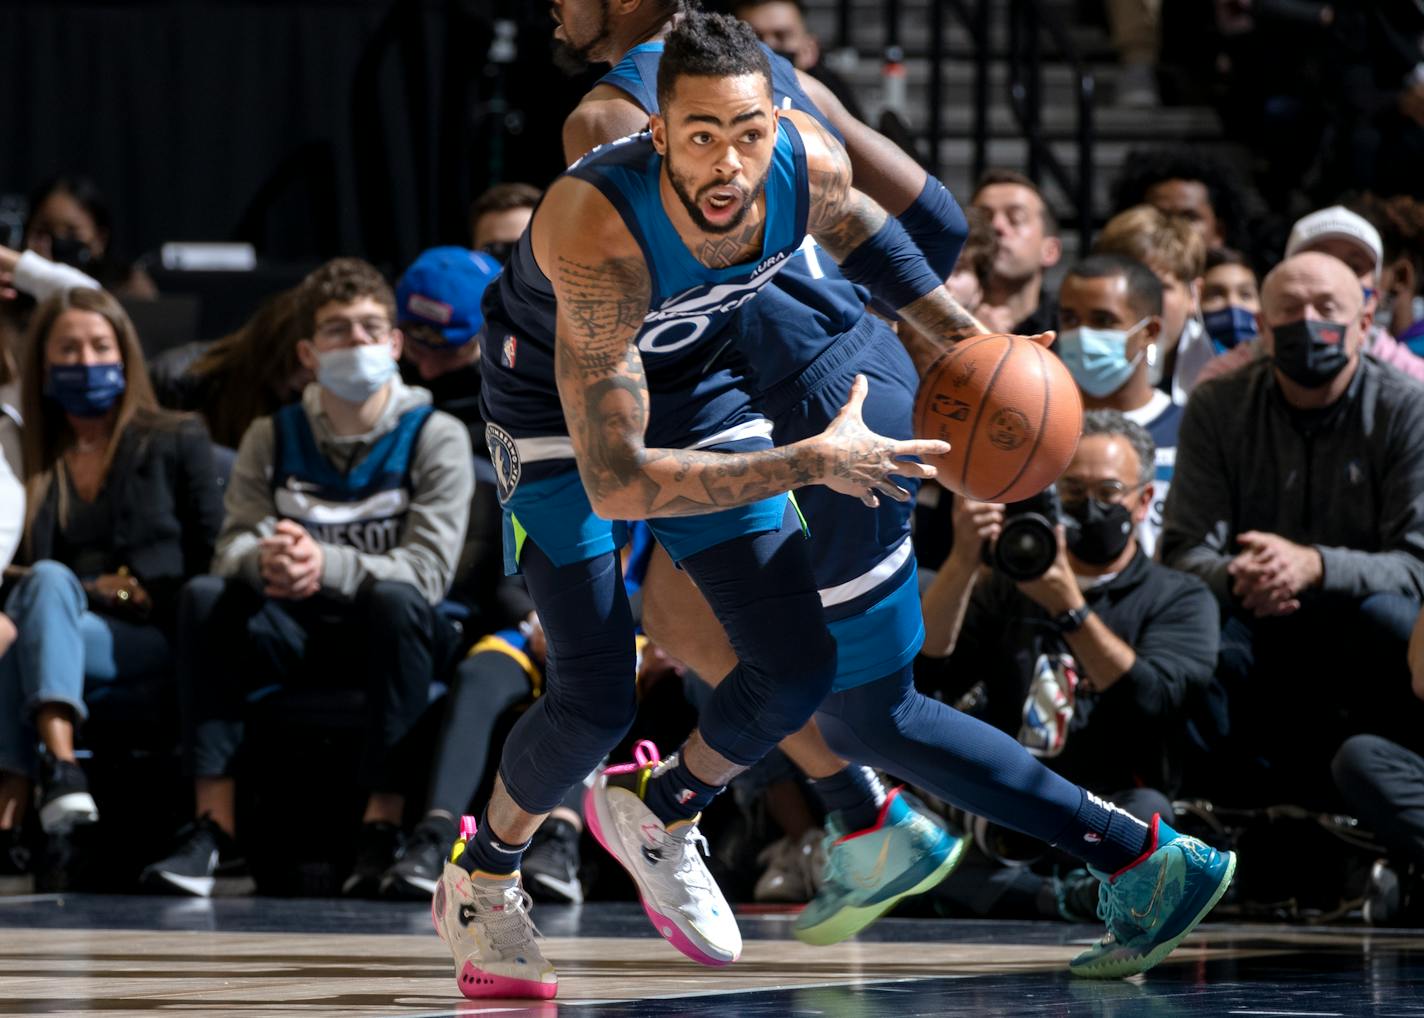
500,250
1311,353
69,251
1102,532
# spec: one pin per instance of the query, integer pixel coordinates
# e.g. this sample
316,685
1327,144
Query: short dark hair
1115,422
707,45
502,198
1144,289
1218,256
343,281
1002,176
1144,168
83,190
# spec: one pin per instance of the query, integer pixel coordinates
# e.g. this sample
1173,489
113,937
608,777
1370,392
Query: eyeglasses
1107,492
337,330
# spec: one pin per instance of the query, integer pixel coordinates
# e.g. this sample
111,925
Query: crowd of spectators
305,509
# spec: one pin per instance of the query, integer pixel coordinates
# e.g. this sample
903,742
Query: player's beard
574,60
690,203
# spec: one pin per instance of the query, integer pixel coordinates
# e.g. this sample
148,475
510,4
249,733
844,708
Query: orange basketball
1009,410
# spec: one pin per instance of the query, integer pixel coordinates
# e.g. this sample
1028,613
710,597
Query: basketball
1009,410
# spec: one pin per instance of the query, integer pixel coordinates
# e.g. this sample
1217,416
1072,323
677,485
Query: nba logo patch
509,351
504,455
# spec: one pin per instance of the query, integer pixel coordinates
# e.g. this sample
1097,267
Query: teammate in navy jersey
613,308
879,717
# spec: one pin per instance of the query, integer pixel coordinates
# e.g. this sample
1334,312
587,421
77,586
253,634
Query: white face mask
355,373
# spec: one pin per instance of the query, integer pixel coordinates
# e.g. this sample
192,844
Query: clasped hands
290,562
1270,573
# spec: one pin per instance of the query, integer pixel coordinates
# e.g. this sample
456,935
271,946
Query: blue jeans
62,649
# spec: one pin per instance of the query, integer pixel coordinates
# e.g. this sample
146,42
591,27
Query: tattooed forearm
937,321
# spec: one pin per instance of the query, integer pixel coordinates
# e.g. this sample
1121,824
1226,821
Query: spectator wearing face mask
1230,301
70,223
1401,286
1109,318
1299,498
344,518
781,25
1125,642
1173,249
498,218
1348,236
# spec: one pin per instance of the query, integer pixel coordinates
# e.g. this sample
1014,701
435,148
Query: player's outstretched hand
856,461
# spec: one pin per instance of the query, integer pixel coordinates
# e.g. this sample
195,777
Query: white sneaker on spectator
792,869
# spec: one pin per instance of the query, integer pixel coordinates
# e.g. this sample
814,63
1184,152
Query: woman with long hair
122,506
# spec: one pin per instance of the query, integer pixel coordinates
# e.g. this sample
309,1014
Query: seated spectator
970,279
1109,317
781,25
1170,247
1027,230
122,509
1124,641
503,671
1299,498
1348,236
344,517
1383,785
1401,312
1186,182
248,374
438,307
1230,301
69,222
499,216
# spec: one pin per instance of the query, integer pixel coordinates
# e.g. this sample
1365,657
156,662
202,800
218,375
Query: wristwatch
1072,620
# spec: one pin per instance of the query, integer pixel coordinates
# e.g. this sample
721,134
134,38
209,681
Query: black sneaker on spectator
1394,896
378,846
551,864
16,876
422,861
65,801
206,864
1076,895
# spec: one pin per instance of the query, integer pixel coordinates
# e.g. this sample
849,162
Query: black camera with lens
1028,540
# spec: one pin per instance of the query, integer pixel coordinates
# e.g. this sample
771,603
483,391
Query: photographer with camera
1077,642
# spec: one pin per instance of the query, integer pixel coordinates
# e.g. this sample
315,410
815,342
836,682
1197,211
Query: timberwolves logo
505,457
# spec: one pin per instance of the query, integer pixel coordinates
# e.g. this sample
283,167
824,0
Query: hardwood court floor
130,957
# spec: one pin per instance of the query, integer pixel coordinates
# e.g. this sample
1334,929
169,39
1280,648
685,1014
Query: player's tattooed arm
604,390
842,219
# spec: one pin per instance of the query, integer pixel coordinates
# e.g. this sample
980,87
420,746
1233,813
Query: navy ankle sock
855,793
1106,837
488,854
675,793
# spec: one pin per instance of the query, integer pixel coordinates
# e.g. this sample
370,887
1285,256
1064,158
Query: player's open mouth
722,202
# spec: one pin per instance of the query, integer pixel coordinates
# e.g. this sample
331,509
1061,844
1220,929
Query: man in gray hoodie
1299,497
344,520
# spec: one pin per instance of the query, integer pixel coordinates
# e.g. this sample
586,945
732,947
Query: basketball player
875,717
606,364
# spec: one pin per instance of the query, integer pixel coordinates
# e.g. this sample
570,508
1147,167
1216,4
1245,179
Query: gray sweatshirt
1348,480
442,481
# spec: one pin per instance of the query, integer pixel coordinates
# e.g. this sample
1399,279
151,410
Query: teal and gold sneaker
1151,905
868,871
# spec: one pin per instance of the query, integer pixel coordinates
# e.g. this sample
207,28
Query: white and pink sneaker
677,891
484,920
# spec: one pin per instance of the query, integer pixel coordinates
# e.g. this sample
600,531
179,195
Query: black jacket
1348,481
1132,734
166,508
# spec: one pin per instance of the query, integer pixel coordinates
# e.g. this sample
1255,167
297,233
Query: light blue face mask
1097,358
355,373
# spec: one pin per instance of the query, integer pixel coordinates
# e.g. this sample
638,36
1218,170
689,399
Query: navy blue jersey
810,302
364,508
681,339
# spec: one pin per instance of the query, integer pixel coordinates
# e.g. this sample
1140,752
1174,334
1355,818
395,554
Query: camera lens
1026,547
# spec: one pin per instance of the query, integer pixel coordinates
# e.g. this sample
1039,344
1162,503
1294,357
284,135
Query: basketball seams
979,411
1038,433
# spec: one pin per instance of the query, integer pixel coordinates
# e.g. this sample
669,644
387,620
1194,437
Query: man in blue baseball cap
438,306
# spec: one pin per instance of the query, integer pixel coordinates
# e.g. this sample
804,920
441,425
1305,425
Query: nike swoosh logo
873,879
568,888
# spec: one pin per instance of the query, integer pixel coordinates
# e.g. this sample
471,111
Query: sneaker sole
202,887
665,926
68,812
477,984
1122,967
849,921
402,887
